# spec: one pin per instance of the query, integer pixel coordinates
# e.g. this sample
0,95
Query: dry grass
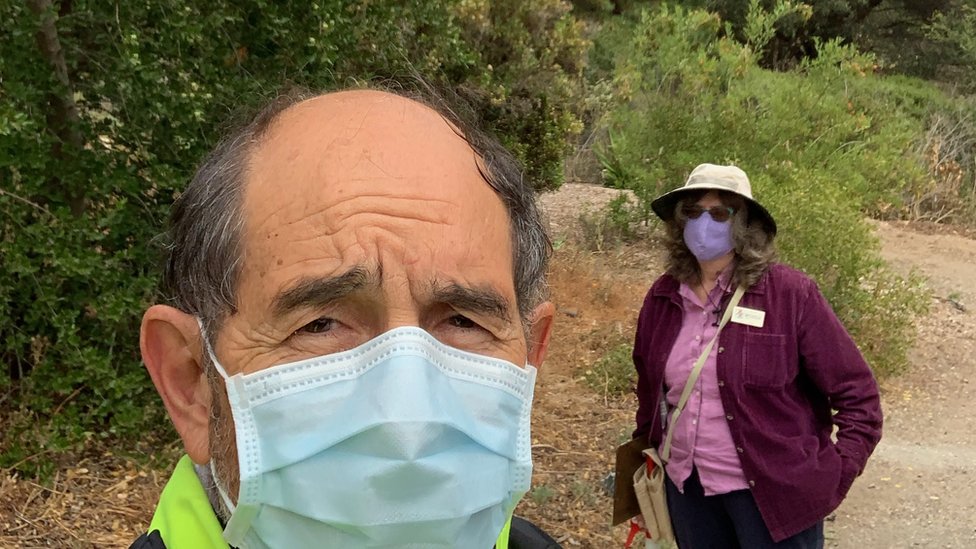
99,500
575,429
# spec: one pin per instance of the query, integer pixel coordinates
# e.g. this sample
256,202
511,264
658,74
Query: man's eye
318,326
461,321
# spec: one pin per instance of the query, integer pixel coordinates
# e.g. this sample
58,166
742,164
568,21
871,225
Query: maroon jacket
778,385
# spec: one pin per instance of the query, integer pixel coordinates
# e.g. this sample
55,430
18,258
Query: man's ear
540,329
172,351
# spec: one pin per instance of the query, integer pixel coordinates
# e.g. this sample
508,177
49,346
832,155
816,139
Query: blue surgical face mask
401,442
708,239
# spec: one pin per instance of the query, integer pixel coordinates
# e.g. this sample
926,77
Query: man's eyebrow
476,300
310,293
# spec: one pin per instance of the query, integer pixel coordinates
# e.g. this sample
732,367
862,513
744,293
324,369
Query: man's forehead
335,175
370,138
354,104
370,119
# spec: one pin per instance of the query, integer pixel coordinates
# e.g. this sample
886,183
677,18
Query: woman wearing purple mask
744,424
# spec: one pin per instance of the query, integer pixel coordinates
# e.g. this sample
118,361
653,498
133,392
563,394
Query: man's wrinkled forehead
330,170
370,142
357,127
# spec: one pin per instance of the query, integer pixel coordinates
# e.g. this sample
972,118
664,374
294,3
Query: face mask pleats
708,239
402,440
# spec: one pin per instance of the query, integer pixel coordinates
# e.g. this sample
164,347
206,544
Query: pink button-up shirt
701,437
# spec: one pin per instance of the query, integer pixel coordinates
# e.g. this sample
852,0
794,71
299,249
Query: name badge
749,317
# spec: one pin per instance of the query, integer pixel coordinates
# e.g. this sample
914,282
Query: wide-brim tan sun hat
712,177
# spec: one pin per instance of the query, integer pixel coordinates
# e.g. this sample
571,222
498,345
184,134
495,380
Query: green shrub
823,144
610,226
541,495
530,59
613,373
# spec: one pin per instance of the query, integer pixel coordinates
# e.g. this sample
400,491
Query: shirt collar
722,286
725,278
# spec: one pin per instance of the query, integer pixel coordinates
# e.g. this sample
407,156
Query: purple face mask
708,239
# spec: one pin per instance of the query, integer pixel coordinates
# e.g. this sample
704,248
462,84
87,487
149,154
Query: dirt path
919,489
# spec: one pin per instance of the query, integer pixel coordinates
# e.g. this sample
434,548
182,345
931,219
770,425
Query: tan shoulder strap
696,371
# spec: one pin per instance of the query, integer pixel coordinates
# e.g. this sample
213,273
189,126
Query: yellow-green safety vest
186,520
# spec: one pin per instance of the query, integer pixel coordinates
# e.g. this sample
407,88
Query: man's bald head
206,253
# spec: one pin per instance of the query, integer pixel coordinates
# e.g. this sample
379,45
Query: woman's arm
834,363
647,403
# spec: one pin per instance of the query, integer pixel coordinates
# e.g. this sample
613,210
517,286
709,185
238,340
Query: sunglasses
718,213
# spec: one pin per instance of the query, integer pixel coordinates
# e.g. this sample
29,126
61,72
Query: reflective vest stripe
184,517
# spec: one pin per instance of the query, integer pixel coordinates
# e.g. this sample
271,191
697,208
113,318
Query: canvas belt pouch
652,497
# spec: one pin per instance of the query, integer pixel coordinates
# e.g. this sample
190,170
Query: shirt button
738,449
694,422
721,349
721,383
697,338
752,483
729,417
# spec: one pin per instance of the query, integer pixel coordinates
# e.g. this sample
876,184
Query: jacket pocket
765,361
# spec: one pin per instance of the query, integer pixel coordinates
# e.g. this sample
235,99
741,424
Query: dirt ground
919,489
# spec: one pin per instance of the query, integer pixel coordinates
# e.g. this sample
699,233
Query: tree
796,34
954,31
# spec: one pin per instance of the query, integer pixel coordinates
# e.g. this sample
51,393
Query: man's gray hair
205,252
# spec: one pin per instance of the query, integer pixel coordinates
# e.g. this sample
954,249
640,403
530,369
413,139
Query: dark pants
727,521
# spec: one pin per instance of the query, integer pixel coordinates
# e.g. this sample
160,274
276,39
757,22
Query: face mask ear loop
234,384
220,489
241,517
210,351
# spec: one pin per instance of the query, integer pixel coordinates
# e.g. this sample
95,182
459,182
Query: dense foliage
105,108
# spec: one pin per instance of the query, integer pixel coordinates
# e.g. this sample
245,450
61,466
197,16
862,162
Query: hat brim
664,205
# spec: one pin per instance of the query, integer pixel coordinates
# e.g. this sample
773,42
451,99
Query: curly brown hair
754,247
